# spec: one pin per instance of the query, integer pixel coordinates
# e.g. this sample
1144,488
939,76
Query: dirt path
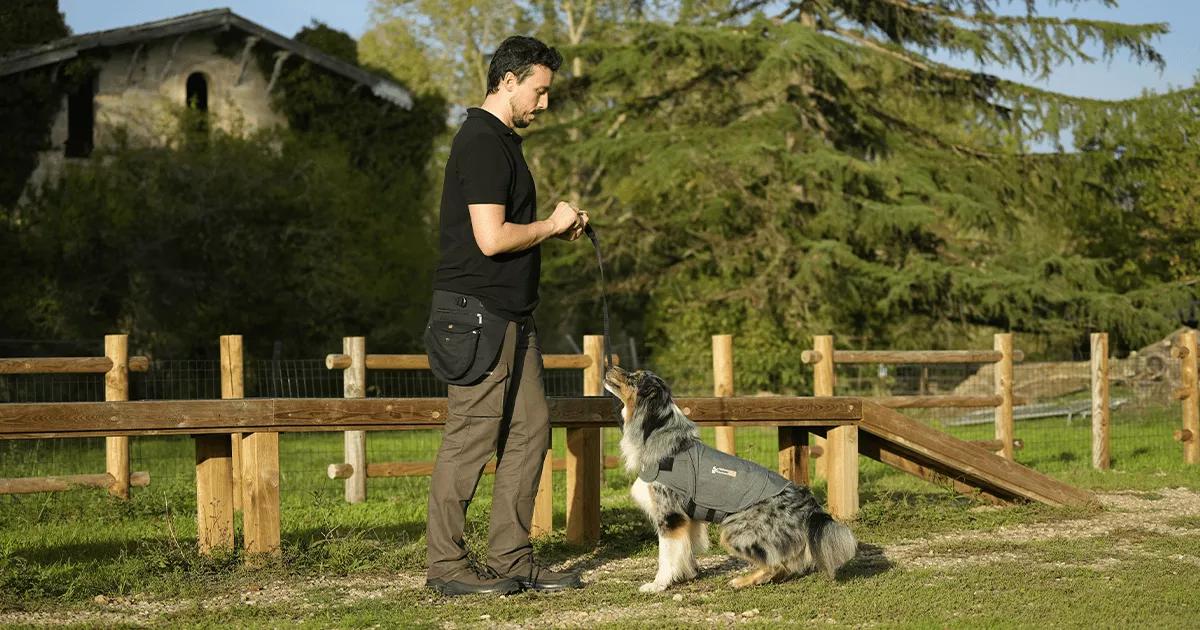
1152,512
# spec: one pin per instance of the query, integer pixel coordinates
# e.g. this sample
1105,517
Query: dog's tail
832,543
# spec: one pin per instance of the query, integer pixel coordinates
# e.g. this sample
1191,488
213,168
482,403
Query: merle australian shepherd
780,536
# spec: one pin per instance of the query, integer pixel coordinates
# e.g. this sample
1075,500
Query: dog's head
642,392
654,425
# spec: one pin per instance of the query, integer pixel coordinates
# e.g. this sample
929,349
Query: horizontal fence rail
421,361
60,483
68,365
31,420
910,357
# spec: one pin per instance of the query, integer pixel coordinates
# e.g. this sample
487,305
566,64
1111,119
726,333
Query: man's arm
494,235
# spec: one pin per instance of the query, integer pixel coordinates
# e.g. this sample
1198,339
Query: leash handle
591,234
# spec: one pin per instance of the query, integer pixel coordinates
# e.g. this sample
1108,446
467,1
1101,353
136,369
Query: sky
1116,80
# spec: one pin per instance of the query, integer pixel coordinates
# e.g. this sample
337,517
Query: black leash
591,234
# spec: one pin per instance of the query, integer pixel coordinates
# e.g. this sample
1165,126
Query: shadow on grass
627,533
868,562
403,533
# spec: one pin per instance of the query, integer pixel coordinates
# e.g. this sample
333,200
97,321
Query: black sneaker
473,579
539,578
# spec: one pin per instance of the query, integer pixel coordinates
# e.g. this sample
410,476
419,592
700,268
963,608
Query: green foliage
1139,194
391,144
270,236
28,101
330,41
781,178
442,45
27,23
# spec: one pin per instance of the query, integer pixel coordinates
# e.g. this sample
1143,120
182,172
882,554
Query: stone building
139,75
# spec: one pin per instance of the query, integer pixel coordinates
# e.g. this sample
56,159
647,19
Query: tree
267,235
27,101
809,170
782,169
441,45
27,23
1139,195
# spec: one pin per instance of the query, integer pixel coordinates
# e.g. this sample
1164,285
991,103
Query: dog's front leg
675,560
675,535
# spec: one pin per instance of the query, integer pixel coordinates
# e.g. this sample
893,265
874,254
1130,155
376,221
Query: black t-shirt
486,166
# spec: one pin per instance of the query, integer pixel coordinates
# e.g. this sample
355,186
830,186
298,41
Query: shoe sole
559,587
441,590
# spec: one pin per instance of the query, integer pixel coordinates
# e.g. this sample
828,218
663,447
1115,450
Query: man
489,271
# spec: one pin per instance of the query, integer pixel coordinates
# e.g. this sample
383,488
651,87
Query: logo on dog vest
717,470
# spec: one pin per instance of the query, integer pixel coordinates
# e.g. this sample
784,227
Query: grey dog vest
715,484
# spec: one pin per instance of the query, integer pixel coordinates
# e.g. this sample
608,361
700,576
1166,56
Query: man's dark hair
518,55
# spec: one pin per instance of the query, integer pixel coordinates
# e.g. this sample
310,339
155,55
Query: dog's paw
741,582
653,587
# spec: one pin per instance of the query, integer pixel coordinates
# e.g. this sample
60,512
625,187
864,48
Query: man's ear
510,80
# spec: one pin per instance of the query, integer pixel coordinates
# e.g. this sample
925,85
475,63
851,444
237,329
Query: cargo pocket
485,398
451,345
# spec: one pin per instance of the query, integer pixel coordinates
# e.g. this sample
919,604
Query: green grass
60,551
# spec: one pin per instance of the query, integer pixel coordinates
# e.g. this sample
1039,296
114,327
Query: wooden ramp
890,437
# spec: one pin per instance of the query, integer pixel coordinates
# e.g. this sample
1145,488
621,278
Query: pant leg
521,454
469,440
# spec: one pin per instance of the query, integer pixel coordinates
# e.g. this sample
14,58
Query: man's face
531,96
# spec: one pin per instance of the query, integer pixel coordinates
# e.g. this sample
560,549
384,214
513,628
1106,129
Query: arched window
197,92
81,119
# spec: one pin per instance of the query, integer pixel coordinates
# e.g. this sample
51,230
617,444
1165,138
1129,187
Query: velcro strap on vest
666,463
698,513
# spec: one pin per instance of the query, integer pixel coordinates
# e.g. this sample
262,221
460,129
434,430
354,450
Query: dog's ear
654,403
653,393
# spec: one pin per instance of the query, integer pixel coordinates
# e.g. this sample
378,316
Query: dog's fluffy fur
784,535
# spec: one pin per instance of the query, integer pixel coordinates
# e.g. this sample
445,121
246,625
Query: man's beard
522,121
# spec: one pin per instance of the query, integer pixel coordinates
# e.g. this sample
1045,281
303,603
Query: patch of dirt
1124,511
1150,512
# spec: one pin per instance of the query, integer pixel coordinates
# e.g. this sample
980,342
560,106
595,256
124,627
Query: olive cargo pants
505,414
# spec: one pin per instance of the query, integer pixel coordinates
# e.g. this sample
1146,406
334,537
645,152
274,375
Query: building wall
141,99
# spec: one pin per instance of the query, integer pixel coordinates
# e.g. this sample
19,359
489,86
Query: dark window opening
197,92
81,119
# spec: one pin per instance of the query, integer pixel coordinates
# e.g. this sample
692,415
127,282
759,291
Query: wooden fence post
116,389
722,347
1003,343
1100,409
233,387
354,380
214,492
1191,404
585,463
823,380
255,463
260,467
543,503
839,462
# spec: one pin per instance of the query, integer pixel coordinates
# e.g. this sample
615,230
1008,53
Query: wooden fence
115,365
237,439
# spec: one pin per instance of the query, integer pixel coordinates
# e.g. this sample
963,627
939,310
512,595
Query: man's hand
579,221
564,219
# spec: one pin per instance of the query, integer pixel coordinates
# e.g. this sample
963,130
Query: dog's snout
616,375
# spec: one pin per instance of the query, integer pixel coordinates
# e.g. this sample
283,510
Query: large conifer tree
779,170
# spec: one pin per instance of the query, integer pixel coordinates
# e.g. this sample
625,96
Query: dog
776,526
